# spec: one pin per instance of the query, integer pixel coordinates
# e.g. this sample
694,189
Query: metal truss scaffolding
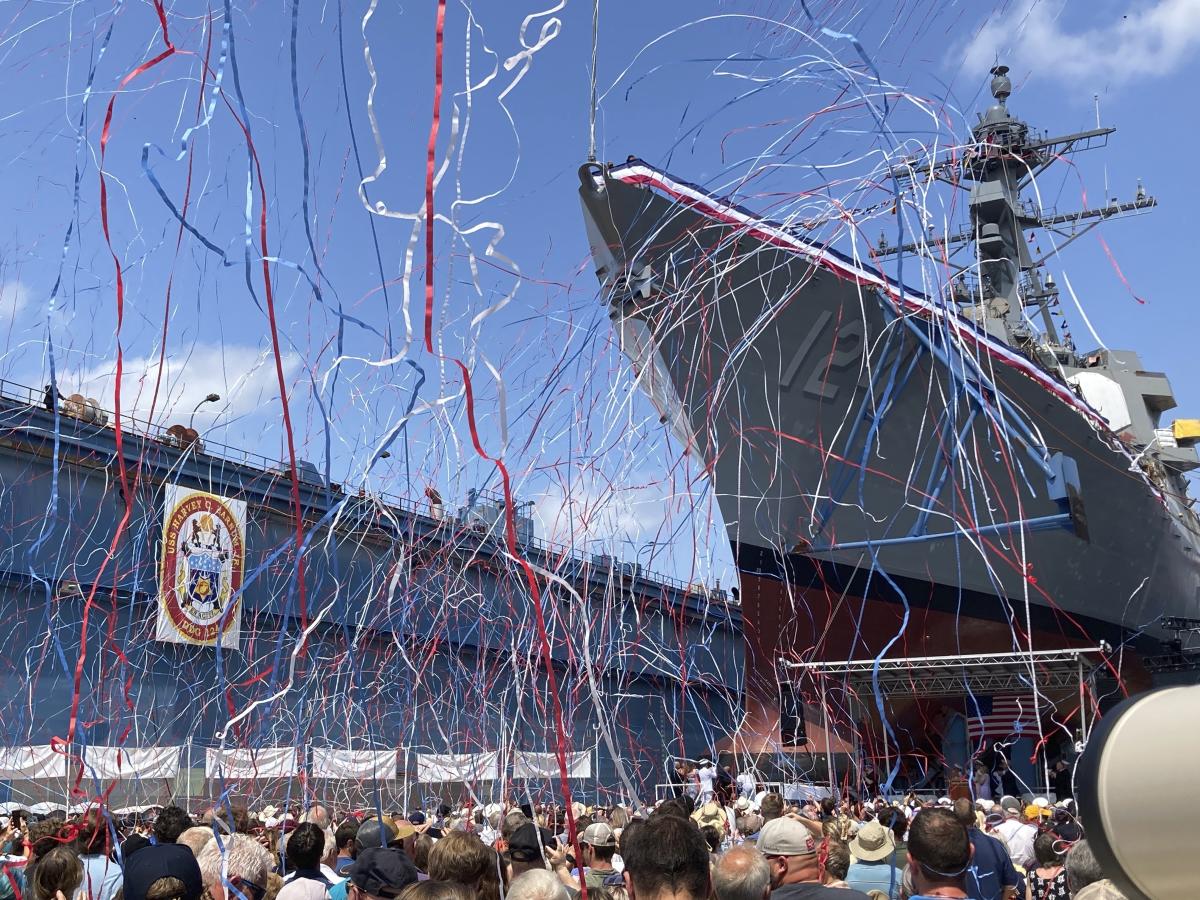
951,676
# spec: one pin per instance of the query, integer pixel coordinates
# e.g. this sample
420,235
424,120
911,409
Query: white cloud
243,376
14,298
645,524
602,519
1151,40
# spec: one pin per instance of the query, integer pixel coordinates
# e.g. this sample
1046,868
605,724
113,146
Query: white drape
328,762
265,762
129,762
434,767
39,761
545,765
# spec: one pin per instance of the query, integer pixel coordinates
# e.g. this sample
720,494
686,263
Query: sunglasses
385,893
248,888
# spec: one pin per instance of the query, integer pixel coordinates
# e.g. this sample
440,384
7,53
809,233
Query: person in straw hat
873,849
712,813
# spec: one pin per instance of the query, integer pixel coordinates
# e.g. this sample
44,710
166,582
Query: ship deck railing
24,395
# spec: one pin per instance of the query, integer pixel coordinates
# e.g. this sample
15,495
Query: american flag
998,717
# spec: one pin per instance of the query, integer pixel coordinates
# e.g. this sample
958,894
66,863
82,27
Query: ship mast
1005,285
1001,160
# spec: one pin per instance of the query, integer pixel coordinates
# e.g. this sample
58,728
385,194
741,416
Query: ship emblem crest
202,566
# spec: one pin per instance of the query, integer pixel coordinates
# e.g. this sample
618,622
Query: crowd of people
757,848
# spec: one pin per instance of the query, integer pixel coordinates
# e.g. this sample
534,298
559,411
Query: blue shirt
991,870
875,876
12,877
102,877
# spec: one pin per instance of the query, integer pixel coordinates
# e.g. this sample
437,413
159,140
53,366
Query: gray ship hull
842,425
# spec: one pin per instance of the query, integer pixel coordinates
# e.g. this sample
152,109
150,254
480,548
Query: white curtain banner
435,767
200,569
802,793
39,761
265,762
545,765
354,764
129,762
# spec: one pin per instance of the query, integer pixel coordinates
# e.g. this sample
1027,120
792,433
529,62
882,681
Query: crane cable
592,107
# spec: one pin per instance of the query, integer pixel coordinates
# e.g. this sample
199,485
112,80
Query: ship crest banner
200,575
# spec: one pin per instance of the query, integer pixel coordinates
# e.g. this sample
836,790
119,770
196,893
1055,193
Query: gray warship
903,471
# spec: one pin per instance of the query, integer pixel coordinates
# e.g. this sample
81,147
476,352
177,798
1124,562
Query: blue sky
707,89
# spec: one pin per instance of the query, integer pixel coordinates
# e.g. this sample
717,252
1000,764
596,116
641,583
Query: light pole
211,398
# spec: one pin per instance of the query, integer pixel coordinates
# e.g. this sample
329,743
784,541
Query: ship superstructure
949,451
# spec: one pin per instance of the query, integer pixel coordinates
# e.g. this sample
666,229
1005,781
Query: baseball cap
382,871
1008,802
598,835
523,846
371,833
786,837
149,864
134,843
417,818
